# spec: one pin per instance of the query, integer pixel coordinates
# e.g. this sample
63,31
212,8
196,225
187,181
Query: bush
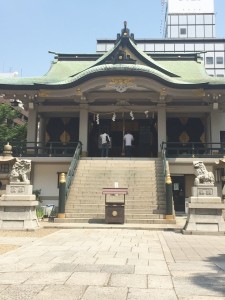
37,193
39,212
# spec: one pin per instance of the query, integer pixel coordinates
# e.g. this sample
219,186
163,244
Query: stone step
129,211
98,194
121,170
151,221
144,179
101,215
98,191
135,202
95,207
129,200
103,180
102,221
123,177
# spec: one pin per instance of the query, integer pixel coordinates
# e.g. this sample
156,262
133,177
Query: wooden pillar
83,128
32,128
161,126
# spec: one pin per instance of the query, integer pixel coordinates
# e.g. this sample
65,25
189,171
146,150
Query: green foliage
39,212
37,193
10,131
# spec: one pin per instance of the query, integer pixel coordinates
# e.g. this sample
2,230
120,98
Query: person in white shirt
128,140
105,141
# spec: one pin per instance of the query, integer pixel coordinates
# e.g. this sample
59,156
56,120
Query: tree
9,130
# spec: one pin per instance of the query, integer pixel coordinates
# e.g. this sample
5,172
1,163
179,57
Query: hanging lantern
114,117
146,114
97,119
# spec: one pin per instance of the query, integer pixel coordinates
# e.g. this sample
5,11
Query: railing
172,149
41,149
64,185
168,185
163,152
72,168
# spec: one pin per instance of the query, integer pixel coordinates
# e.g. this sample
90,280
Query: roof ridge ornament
125,24
125,33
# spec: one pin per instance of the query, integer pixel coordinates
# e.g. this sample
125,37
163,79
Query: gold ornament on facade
121,84
114,213
168,179
43,94
202,138
184,138
79,92
64,137
62,178
199,93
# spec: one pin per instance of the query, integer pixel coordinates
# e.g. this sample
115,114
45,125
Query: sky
31,28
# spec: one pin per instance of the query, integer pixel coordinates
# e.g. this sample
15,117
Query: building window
191,31
159,47
191,19
199,19
209,47
219,75
174,20
101,47
141,46
208,31
200,31
189,47
208,19
199,47
219,60
179,47
183,19
209,60
174,32
169,47
149,47
219,47
183,31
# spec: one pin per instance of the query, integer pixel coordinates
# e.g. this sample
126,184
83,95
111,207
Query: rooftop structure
189,28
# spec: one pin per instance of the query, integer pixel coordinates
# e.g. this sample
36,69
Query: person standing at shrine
128,140
105,142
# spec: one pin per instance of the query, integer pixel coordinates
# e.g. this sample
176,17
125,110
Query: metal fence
173,149
41,149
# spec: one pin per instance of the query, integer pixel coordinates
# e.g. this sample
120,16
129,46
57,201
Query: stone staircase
145,202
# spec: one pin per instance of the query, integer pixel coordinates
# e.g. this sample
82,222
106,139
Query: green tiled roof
61,70
129,68
71,72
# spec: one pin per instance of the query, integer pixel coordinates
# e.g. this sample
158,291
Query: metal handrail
72,168
193,149
168,184
41,149
163,153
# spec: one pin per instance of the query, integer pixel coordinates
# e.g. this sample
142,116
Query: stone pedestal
18,208
205,211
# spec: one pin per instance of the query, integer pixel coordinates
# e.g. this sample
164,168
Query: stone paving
114,264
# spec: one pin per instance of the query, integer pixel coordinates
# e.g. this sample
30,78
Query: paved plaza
113,264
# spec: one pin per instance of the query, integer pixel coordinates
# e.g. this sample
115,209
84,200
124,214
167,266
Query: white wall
45,177
190,6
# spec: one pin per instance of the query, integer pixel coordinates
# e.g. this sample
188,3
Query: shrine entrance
144,132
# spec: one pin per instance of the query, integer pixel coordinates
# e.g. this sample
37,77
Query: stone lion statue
20,171
202,175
